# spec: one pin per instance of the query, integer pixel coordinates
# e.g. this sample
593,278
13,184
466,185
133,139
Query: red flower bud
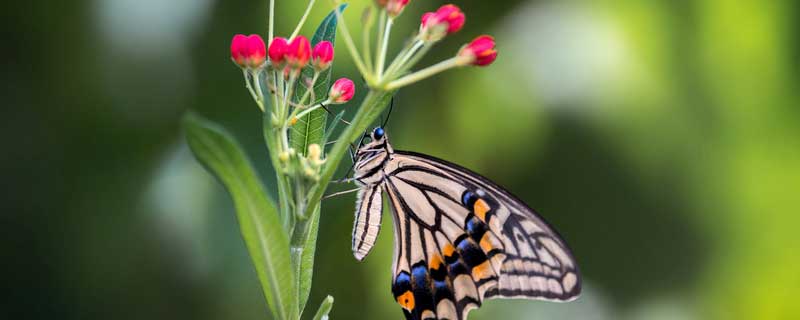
322,55
277,51
479,52
342,91
447,18
299,52
395,7
248,51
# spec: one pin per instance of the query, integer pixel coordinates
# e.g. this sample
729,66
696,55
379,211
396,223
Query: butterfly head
371,155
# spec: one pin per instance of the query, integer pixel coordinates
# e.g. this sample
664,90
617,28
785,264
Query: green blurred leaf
311,128
258,218
324,309
334,123
307,259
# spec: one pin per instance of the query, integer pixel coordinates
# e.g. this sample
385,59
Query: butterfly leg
340,193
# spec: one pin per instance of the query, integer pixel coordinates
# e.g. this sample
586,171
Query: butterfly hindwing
460,239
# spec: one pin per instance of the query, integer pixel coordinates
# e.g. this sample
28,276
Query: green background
661,138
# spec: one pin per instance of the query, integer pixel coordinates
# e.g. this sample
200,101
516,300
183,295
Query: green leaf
307,259
324,309
311,128
258,218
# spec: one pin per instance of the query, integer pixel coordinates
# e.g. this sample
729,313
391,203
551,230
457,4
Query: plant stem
366,28
381,27
348,41
384,47
422,74
271,20
302,19
372,106
401,59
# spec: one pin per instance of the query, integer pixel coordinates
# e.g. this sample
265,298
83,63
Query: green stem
302,19
402,58
384,47
351,46
271,20
372,106
416,58
365,40
422,74
381,27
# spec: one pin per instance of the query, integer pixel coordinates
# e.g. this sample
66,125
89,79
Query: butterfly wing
460,239
367,222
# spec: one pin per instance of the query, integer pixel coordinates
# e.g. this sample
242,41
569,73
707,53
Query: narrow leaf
324,309
258,218
307,259
310,128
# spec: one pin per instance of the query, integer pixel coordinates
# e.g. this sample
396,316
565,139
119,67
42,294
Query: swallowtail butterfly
459,238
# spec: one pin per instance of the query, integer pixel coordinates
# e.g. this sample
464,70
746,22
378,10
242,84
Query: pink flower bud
238,46
322,55
248,51
479,52
395,7
299,52
277,51
256,50
448,19
342,91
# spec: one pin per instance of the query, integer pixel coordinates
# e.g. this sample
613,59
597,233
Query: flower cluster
434,27
283,73
280,67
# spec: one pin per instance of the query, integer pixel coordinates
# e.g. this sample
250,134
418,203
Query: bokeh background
661,138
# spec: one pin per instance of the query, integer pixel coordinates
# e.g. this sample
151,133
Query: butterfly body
459,238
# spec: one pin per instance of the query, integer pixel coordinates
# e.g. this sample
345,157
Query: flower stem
402,58
348,41
271,20
422,74
365,37
302,19
250,89
308,110
384,47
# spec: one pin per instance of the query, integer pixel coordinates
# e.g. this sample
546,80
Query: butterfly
459,238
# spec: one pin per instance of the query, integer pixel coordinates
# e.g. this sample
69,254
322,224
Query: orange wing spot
435,262
406,300
448,250
483,271
481,208
486,242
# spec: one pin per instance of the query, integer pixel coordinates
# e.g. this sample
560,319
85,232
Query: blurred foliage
660,137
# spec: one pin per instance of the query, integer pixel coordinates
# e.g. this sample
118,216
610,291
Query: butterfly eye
377,134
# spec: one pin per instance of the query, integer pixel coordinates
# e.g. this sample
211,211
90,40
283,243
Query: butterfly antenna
391,106
324,107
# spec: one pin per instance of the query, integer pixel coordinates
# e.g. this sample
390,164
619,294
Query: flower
341,91
298,53
479,52
395,7
315,155
277,51
448,19
248,51
322,55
